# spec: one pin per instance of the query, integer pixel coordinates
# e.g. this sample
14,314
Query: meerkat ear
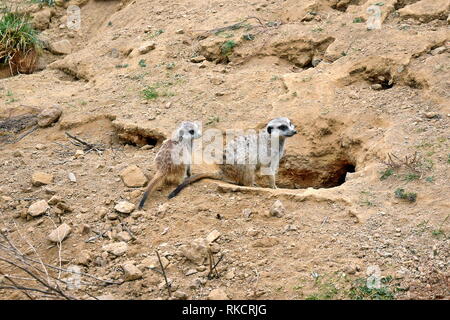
269,130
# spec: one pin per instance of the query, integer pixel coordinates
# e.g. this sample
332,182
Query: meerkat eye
283,127
191,132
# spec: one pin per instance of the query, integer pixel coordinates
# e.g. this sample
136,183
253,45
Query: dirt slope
355,95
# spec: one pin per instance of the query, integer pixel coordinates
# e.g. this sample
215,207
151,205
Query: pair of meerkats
172,171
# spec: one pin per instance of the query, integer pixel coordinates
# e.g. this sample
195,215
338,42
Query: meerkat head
187,131
281,127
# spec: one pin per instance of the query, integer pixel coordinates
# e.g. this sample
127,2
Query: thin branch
164,273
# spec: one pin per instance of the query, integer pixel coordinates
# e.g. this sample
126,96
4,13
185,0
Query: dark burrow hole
324,176
139,140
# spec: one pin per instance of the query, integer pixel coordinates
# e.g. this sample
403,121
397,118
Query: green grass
142,63
150,93
358,20
386,174
227,47
360,291
411,177
17,36
402,194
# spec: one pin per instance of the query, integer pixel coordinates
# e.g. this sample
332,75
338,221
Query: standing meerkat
173,160
246,153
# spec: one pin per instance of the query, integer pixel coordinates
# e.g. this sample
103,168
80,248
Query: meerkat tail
153,184
192,179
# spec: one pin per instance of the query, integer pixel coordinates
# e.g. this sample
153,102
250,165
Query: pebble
38,208
124,207
60,233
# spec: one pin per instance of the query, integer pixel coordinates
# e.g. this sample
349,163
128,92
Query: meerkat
173,158
237,167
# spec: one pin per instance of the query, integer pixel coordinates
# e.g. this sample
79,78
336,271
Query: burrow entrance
316,175
321,157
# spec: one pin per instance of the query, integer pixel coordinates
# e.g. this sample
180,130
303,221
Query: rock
198,59
212,236
38,208
40,178
61,47
85,229
180,295
117,249
123,236
60,233
153,262
54,200
131,272
426,10
432,115
376,86
79,154
218,294
247,213
41,19
18,154
133,176
72,177
277,209
438,50
143,49
147,47
196,251
49,115
179,31
124,207
190,272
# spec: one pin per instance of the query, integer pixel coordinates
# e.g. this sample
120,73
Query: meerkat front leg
272,183
188,171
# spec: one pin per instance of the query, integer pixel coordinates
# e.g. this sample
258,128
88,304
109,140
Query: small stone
191,272
179,31
131,272
218,294
112,216
72,177
180,295
153,262
41,178
198,59
61,47
431,115
85,229
117,249
38,208
229,275
54,200
79,154
133,176
277,209
212,236
247,213
123,236
376,86
60,233
124,207
147,47
18,154
48,116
